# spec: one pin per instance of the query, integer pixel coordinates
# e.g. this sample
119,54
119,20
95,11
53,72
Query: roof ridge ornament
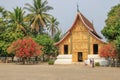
78,8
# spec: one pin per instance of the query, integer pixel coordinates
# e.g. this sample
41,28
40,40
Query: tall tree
38,16
57,36
3,12
117,43
8,29
17,19
47,43
112,28
3,19
53,26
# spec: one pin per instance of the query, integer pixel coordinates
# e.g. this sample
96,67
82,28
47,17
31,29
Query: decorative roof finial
78,8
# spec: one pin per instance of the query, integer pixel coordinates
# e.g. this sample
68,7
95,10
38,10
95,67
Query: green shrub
50,62
97,64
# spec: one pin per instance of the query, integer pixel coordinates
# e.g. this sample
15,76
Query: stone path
57,72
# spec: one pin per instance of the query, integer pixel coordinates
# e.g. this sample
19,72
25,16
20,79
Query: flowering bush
25,47
108,51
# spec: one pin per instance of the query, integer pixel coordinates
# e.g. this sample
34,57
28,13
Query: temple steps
64,59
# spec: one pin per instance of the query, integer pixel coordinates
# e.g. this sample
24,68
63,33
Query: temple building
80,40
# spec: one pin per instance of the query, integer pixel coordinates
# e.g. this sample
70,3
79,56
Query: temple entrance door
65,49
80,57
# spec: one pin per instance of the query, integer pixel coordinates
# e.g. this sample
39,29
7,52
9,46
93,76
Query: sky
65,10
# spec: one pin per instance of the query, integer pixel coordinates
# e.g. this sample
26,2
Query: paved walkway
57,72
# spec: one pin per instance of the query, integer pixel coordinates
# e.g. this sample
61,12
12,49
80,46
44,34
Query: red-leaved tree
25,48
108,51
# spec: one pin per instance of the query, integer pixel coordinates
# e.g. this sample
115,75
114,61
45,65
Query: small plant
97,64
50,62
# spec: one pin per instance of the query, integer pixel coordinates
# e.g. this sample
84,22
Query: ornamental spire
78,8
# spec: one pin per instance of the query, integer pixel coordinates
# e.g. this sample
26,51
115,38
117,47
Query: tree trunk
113,62
43,58
36,59
23,60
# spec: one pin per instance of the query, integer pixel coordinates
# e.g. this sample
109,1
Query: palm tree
38,16
57,36
53,26
3,19
3,12
17,19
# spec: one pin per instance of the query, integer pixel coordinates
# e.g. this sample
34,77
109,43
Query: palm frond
41,20
29,7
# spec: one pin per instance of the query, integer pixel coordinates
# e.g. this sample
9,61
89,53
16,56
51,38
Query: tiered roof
86,23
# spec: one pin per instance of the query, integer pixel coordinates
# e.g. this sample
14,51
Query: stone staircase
64,59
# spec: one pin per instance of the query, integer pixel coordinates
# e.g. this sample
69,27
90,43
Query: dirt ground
57,72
